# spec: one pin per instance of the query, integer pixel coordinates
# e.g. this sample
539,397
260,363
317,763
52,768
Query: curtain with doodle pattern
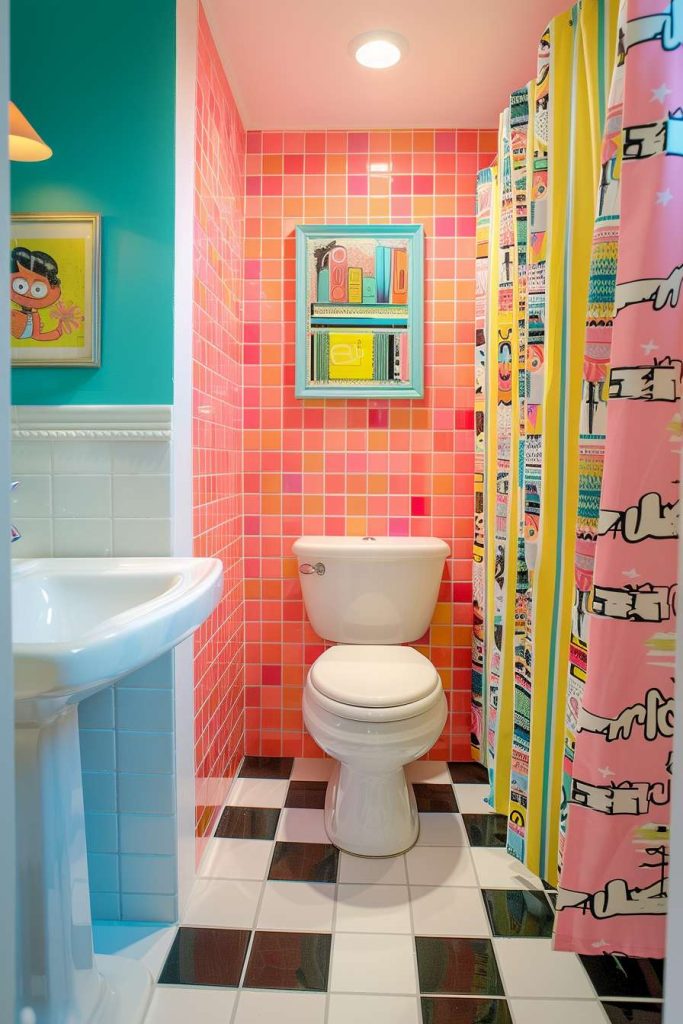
553,594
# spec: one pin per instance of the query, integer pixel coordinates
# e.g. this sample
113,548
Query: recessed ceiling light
378,49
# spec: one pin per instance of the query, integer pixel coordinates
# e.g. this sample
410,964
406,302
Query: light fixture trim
378,50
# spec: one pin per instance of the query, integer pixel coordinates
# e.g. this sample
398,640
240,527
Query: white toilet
372,705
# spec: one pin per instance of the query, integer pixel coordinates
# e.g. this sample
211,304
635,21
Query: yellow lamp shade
24,141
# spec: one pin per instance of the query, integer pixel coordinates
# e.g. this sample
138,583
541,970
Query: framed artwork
359,311
55,289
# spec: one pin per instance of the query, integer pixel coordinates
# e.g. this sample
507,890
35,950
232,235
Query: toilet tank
370,590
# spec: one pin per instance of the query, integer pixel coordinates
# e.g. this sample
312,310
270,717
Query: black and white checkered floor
283,927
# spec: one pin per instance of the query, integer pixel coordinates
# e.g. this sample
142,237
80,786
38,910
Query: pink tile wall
356,467
217,426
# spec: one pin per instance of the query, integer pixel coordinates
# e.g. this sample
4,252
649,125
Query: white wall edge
187,13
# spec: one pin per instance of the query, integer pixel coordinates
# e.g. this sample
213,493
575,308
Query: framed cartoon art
359,311
55,289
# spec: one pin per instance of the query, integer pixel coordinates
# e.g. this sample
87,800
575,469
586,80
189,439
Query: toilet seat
374,682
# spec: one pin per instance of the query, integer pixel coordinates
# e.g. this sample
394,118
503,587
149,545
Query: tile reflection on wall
354,467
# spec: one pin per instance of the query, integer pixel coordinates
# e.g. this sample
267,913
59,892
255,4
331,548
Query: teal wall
97,81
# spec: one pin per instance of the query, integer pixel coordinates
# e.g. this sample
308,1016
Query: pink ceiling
289,65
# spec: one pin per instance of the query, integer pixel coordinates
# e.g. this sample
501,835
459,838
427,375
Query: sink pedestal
60,978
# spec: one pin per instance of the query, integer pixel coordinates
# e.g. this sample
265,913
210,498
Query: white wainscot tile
218,903
82,538
81,496
36,538
258,1007
148,875
530,967
144,537
236,858
141,710
455,911
147,833
33,496
373,963
140,457
297,906
182,1003
81,457
147,496
31,457
434,865
373,908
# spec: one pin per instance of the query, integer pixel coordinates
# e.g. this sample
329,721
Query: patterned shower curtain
555,493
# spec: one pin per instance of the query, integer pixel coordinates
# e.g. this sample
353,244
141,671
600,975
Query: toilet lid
373,676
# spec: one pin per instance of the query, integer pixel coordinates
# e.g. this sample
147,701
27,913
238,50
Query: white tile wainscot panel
95,480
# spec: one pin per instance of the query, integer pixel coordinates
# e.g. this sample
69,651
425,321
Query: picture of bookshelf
359,311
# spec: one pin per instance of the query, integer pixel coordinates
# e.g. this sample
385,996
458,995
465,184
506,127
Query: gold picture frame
55,289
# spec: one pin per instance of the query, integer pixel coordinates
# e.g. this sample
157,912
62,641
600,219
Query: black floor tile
468,771
248,823
306,794
289,960
625,977
206,956
518,913
266,768
304,862
450,1010
435,797
486,829
458,966
633,1013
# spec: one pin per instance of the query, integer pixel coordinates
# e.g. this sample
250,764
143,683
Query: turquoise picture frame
384,334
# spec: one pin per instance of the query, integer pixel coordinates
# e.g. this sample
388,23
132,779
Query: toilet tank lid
373,675
371,547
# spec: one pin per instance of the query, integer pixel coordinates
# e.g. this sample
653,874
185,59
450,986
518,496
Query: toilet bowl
372,705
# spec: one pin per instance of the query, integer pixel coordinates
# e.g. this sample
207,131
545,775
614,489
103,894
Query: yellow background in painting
70,256
350,355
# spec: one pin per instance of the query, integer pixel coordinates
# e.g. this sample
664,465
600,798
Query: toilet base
371,814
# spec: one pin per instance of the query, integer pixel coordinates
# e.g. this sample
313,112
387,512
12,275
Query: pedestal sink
79,624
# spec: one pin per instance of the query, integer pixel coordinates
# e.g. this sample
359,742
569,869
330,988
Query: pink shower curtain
613,887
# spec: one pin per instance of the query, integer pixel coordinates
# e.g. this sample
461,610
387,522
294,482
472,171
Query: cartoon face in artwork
530,527
504,368
535,358
34,286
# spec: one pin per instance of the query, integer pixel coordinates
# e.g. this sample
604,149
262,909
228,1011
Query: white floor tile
383,870
530,967
456,911
180,1004
312,769
301,825
259,1007
297,906
258,792
348,1009
428,771
442,830
217,903
440,865
373,908
471,799
236,858
566,1011
373,963
497,869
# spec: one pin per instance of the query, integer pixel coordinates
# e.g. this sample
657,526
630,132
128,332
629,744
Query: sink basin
80,623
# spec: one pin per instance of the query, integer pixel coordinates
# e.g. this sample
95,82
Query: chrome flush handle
307,569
